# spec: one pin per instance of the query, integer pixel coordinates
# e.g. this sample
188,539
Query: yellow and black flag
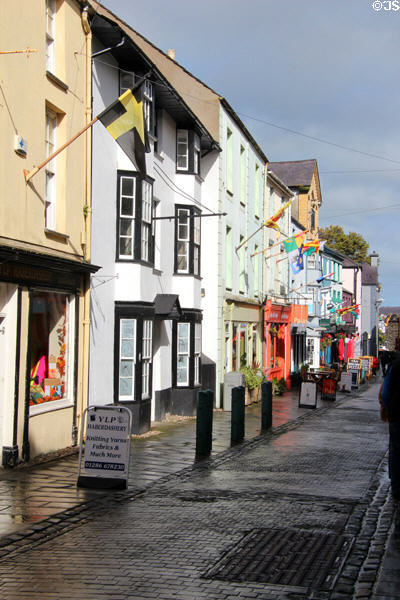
124,120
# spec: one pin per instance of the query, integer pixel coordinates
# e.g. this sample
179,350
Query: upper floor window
257,191
127,80
51,35
50,192
311,262
243,174
135,224
187,151
187,240
229,160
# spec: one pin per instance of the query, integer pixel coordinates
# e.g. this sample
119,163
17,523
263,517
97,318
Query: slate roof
294,173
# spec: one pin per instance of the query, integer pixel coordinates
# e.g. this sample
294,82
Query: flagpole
29,174
274,245
249,238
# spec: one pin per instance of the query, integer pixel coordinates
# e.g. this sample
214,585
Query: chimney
171,53
374,259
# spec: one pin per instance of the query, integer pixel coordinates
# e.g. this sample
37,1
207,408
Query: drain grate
289,557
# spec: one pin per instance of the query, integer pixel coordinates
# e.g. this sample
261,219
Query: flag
320,279
272,222
296,260
124,120
294,243
313,246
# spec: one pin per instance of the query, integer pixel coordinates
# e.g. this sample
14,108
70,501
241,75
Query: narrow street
303,511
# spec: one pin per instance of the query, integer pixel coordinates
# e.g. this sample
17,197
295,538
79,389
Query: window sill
199,277
57,81
157,272
46,407
57,234
230,193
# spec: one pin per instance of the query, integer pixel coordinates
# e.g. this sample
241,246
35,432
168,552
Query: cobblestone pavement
300,512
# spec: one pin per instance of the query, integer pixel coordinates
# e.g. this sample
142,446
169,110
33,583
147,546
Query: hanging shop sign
104,453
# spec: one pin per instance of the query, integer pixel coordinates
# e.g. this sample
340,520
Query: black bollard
204,421
237,415
266,406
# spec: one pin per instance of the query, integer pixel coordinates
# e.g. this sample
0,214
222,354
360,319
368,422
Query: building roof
295,173
202,100
369,275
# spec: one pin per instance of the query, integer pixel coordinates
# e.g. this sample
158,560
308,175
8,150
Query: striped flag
124,120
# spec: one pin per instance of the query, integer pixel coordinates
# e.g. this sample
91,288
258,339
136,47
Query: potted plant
278,386
253,378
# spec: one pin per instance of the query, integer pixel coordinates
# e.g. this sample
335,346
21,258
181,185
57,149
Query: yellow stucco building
44,226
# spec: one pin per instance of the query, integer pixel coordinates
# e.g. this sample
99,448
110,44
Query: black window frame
138,221
193,318
193,152
193,212
140,312
150,102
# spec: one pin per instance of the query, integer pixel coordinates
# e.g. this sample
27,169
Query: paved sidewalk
39,503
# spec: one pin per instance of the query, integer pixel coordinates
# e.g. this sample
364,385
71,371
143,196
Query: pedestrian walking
389,399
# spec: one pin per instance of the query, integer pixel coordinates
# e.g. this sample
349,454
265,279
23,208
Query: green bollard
204,421
237,415
266,406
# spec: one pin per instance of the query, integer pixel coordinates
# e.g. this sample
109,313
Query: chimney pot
171,53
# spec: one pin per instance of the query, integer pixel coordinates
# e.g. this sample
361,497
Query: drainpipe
86,241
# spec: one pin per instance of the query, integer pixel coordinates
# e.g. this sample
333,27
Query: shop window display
48,347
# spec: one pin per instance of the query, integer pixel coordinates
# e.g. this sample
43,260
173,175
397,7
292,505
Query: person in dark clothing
384,357
389,398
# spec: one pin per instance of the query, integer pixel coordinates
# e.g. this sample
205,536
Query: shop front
299,319
42,303
243,345
277,340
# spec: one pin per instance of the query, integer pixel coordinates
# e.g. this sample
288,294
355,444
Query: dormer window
127,80
187,152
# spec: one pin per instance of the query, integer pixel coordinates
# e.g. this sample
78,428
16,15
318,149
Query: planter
251,396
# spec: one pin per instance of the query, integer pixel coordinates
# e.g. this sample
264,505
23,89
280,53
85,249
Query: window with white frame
311,262
148,106
257,191
187,240
127,354
50,192
188,151
242,272
147,354
197,352
147,194
51,35
243,175
127,188
229,160
183,354
136,235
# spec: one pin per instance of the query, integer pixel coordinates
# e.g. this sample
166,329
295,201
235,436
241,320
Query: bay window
187,240
135,218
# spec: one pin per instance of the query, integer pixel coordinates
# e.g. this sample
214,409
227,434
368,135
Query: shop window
51,347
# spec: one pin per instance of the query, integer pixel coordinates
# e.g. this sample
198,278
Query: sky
326,69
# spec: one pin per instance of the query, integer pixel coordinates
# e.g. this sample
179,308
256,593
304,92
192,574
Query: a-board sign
365,362
355,378
353,364
308,395
346,381
106,448
329,389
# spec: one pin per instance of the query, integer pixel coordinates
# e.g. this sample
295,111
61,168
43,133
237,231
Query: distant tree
350,244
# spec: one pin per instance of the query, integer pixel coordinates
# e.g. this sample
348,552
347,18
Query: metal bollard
237,415
204,421
266,406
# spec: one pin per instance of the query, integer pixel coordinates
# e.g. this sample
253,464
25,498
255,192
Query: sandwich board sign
106,448
308,395
346,379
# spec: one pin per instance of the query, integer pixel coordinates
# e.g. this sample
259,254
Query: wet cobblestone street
303,511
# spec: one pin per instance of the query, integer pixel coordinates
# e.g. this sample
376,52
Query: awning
166,306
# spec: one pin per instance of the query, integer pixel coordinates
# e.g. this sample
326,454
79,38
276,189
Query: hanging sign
106,449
